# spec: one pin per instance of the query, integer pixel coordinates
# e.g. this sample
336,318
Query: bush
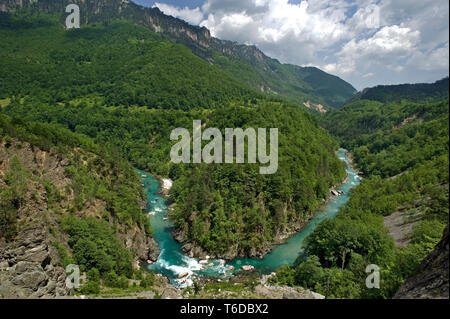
148,280
91,288
96,245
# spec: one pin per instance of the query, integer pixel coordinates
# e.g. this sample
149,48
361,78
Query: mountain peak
247,63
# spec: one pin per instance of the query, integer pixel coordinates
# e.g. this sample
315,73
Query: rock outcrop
30,266
30,263
432,280
300,81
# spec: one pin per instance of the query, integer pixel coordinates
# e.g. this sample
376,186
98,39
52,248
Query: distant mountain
125,86
121,64
246,63
421,92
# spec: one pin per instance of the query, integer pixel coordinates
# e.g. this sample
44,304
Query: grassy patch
4,102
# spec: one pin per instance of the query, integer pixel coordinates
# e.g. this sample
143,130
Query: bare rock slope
432,280
31,265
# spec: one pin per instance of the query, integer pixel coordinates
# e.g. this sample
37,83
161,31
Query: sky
365,42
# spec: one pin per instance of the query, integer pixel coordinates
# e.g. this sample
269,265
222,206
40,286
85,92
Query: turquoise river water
173,263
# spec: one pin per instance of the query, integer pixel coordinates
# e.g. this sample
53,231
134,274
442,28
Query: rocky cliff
36,192
246,63
198,39
432,280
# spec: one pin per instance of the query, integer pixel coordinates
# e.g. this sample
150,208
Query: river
172,262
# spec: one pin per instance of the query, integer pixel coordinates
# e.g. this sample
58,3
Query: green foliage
125,87
246,64
335,241
8,216
421,92
25,20
93,274
66,259
112,280
95,245
148,280
90,288
294,83
236,204
119,63
227,206
53,194
12,198
103,174
309,272
403,151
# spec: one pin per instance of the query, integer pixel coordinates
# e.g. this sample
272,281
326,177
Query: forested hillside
403,151
420,92
305,173
67,200
232,210
80,108
122,85
296,84
118,64
244,63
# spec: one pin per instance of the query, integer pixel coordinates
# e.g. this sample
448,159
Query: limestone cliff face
198,39
267,74
432,280
30,264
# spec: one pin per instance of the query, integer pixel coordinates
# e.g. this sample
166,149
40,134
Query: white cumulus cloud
367,42
193,16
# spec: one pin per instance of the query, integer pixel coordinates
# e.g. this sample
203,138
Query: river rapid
172,262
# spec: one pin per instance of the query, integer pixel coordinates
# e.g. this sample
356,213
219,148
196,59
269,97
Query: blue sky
366,42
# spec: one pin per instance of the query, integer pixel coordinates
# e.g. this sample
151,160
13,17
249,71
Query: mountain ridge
417,92
123,85
253,67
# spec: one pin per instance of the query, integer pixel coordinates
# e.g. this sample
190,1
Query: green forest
234,207
402,149
107,97
95,173
294,83
119,63
243,63
305,174
87,73
418,93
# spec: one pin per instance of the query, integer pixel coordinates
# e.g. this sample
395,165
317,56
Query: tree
309,273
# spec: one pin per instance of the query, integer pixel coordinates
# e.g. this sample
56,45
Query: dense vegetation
419,93
403,150
11,198
119,63
106,176
296,84
121,89
232,209
305,172
87,72
246,64
95,173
